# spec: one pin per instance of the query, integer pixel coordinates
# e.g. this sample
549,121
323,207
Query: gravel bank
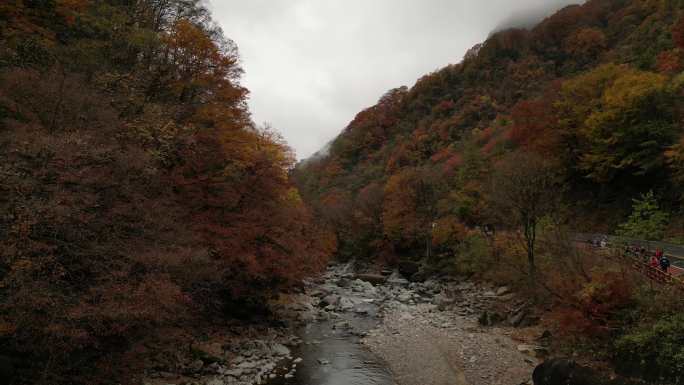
457,352
424,345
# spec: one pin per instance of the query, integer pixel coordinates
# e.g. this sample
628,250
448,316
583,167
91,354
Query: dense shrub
654,350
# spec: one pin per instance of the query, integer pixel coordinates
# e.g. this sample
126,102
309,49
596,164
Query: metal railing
639,262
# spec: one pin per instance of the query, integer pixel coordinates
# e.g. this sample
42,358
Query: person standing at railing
659,253
655,262
664,263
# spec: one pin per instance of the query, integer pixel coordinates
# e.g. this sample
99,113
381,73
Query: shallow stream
331,351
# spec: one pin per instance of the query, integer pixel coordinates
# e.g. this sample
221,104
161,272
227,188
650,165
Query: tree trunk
530,238
60,99
531,265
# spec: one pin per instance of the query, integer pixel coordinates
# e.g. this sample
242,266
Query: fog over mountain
312,65
531,13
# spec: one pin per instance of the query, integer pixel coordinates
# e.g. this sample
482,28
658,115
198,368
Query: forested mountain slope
136,194
595,90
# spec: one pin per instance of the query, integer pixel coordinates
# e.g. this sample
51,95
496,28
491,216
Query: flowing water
331,350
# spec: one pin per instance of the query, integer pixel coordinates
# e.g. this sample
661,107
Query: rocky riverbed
349,328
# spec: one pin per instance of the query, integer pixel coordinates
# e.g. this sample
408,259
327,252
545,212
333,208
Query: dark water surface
332,354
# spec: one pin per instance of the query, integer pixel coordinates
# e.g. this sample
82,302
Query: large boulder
564,372
345,304
443,301
331,299
375,279
396,279
364,287
408,268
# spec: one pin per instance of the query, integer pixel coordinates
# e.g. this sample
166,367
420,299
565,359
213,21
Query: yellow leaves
622,117
292,197
632,86
608,86
622,99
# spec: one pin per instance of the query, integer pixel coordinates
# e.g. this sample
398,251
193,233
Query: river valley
344,330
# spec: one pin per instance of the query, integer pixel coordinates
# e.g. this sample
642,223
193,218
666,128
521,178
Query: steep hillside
136,195
595,89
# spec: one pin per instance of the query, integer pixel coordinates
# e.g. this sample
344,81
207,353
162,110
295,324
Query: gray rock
236,373
517,318
195,366
345,304
330,300
503,290
247,365
397,279
442,301
212,368
280,350
323,361
431,287
363,287
342,325
372,278
405,297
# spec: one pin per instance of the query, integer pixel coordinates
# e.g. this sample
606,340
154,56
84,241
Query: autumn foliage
595,88
136,192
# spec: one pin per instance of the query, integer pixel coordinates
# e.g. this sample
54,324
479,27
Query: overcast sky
311,65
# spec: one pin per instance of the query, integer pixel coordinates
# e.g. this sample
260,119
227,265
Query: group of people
657,260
